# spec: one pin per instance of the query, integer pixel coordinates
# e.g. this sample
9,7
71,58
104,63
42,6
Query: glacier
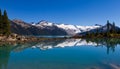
70,29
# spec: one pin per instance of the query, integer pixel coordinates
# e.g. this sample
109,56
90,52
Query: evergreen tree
97,31
0,22
6,24
108,28
108,23
113,30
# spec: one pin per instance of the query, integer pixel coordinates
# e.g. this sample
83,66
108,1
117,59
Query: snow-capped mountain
48,28
70,29
24,28
43,23
103,29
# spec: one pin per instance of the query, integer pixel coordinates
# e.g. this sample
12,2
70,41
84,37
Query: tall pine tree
108,23
6,24
113,30
1,22
108,28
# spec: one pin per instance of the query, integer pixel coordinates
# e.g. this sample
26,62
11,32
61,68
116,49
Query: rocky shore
20,38
16,37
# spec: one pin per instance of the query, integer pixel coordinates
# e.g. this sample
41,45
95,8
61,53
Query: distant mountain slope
47,28
23,28
102,29
70,29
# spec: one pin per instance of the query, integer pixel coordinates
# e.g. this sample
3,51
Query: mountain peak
42,21
18,20
67,28
70,29
98,25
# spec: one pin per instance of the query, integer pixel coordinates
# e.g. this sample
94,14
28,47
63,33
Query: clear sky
77,12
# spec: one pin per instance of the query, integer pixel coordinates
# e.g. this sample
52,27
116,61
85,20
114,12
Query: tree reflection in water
4,55
6,49
109,43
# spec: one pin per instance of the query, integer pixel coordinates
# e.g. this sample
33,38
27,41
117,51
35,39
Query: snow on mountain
103,29
32,23
70,29
48,28
86,28
43,23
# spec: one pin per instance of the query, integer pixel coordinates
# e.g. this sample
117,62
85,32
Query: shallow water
62,54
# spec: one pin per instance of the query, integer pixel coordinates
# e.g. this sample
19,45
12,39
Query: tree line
4,23
112,31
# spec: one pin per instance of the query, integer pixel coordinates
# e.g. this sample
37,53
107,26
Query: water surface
62,54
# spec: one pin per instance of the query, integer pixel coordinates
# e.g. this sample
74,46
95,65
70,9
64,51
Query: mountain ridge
48,28
70,29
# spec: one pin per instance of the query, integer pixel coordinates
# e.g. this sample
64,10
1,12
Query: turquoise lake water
62,54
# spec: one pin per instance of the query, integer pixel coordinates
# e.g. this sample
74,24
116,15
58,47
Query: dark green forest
4,23
111,32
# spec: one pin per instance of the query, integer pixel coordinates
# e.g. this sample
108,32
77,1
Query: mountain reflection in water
110,44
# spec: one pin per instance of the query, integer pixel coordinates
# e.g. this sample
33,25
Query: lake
62,54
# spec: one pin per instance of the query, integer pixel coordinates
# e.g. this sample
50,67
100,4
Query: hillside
23,28
108,30
47,28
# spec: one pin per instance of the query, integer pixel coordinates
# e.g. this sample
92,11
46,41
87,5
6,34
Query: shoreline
13,38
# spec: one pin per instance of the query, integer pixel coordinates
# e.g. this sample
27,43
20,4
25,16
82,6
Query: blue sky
77,12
